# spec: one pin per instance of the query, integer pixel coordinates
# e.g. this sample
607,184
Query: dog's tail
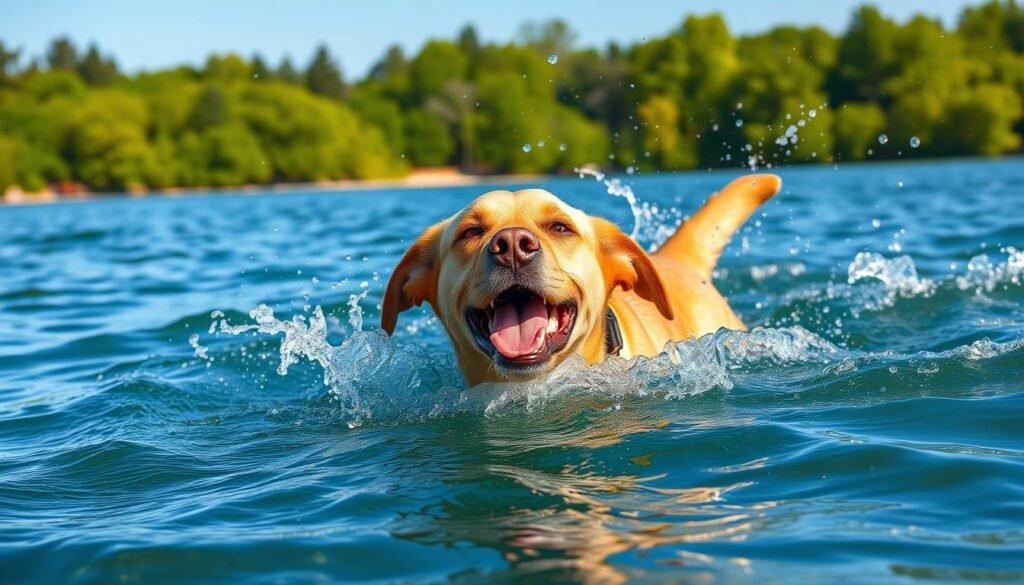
700,240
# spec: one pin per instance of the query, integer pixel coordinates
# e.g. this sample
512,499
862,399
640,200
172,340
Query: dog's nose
512,247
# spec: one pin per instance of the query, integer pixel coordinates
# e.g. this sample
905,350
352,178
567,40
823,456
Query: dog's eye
560,227
471,233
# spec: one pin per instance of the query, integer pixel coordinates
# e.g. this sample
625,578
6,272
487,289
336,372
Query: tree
469,43
222,156
994,25
107,142
382,112
227,68
62,55
856,128
981,123
9,163
260,71
866,57
662,144
553,37
95,70
438,63
210,109
286,72
8,63
324,76
428,141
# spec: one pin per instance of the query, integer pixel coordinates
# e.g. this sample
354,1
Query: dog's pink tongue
520,331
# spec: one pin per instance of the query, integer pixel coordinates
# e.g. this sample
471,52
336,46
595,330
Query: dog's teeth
552,324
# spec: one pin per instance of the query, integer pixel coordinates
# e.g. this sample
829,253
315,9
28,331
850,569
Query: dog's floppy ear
624,263
414,280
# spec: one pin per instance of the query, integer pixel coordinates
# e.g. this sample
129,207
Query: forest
697,97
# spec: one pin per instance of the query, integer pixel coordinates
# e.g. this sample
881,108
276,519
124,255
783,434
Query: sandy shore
418,178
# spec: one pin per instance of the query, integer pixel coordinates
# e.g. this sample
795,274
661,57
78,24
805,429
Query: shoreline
424,178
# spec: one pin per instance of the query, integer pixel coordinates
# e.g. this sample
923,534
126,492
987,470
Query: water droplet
915,142
562,147
882,139
899,184
739,123
794,250
812,113
715,128
876,223
540,144
739,105
552,58
527,148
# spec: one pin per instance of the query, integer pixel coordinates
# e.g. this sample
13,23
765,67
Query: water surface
153,427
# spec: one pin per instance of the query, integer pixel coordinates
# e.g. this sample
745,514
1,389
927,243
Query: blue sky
152,34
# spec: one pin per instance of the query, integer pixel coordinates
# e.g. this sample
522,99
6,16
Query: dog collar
612,334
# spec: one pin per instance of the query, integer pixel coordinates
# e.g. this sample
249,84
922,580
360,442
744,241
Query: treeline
698,97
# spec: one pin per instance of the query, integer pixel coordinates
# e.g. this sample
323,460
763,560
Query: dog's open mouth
520,328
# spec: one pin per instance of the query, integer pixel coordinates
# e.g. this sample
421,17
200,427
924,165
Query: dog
522,280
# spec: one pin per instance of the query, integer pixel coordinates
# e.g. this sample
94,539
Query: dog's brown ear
625,264
414,280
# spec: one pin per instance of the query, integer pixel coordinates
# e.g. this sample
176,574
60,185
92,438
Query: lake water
869,428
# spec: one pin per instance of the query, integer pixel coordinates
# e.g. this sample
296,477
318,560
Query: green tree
866,58
981,123
382,112
260,71
438,63
9,163
469,43
286,72
663,146
62,55
222,156
856,128
553,37
227,68
210,109
392,75
428,141
108,146
8,64
324,76
95,70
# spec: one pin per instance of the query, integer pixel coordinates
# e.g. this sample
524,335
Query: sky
144,34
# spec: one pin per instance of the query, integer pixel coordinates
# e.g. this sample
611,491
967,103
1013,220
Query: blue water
869,429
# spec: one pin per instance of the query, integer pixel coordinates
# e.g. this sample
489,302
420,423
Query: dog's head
520,281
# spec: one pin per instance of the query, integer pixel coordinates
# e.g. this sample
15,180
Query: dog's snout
512,247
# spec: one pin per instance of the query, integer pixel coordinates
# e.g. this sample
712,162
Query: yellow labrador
522,280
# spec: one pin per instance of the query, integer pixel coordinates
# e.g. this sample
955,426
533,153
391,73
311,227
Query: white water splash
201,352
984,276
652,225
898,276
355,311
